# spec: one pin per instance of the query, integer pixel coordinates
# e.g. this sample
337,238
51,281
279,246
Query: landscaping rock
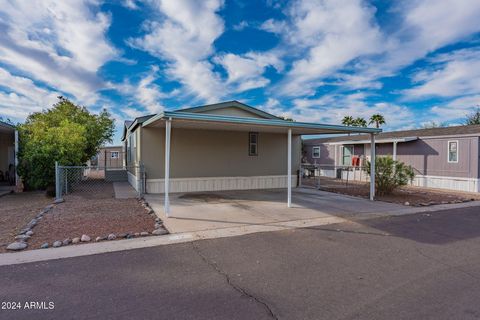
57,201
75,240
137,234
66,242
159,232
149,210
158,225
16,246
29,233
85,238
22,237
144,233
44,246
49,207
57,244
97,239
407,203
158,220
129,236
122,235
111,236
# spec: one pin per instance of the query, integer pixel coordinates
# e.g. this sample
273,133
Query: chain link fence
344,179
96,181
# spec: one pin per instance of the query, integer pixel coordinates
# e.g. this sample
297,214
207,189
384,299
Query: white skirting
450,183
134,182
219,183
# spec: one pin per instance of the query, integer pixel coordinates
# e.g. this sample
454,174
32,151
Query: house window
114,155
316,152
347,155
253,143
453,151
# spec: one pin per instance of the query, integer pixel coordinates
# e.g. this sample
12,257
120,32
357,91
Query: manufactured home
446,158
223,146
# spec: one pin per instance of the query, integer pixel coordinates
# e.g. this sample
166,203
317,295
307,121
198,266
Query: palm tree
359,122
378,119
348,121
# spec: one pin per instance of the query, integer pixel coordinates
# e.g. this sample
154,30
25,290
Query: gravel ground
415,196
16,210
92,211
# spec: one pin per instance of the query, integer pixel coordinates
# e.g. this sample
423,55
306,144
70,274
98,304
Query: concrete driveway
216,210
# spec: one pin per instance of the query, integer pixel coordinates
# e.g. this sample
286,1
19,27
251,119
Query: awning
220,122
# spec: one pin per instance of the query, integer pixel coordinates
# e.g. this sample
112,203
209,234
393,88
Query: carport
172,120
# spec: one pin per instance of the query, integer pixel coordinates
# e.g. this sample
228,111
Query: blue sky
412,61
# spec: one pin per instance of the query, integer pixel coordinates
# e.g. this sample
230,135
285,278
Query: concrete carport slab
200,211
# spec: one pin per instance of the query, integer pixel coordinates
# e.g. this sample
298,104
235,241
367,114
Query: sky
412,61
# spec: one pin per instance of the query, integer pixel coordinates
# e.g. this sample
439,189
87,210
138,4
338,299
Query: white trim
133,181
350,142
448,151
219,183
313,152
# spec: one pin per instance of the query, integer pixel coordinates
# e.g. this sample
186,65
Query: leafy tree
348,121
66,133
433,124
378,119
390,174
360,122
473,118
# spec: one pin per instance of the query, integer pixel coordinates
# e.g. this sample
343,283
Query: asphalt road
424,266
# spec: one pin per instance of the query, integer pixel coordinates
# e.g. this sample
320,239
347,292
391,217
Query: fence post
58,191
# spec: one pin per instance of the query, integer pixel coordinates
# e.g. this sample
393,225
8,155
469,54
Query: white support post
168,129
289,168
394,150
372,166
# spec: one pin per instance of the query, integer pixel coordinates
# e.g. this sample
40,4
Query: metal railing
312,175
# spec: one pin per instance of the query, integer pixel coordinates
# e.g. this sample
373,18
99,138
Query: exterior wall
105,154
232,111
217,160
429,158
7,151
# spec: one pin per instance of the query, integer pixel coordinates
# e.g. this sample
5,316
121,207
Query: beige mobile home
224,146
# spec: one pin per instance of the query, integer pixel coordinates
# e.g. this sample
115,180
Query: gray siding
427,155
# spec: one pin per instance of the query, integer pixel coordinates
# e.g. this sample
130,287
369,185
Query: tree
359,122
433,124
348,121
473,118
390,174
378,119
66,133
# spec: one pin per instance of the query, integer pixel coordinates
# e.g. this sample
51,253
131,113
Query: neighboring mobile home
223,146
109,157
445,158
8,151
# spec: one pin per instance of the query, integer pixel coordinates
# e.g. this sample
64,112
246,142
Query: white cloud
61,43
145,94
246,71
333,34
274,26
184,37
455,110
454,74
20,96
130,4
241,25
332,108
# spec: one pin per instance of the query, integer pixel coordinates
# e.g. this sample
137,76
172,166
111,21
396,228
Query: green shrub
390,174
66,133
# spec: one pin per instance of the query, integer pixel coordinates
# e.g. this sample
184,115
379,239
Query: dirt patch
415,196
91,210
16,210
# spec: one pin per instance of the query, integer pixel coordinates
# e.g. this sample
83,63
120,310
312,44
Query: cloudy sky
312,60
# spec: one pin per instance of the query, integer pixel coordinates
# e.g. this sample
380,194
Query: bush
66,133
390,174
